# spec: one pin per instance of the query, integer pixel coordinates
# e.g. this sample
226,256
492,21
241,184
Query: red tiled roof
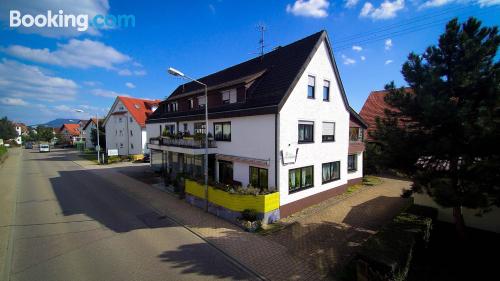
73,129
139,108
93,120
374,107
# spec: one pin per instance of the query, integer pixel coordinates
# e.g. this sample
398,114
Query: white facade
19,131
257,138
87,134
298,107
123,132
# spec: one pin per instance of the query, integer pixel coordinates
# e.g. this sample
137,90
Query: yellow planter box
235,202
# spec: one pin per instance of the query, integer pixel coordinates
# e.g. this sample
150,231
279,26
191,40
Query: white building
281,121
86,131
21,130
125,125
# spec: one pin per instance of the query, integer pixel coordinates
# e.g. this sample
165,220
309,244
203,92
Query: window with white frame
326,90
328,132
352,163
306,131
190,104
311,85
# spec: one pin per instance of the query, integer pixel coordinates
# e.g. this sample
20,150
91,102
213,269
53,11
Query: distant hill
56,123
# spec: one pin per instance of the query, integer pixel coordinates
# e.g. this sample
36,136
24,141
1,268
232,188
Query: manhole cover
155,220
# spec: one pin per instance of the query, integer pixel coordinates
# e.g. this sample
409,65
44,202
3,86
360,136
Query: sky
48,72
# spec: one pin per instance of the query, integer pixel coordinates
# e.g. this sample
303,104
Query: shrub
387,255
249,215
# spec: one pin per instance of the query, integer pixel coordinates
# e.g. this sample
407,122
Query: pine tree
444,132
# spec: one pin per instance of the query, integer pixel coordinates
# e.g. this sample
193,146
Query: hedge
387,255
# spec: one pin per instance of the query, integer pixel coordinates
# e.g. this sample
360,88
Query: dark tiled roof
277,72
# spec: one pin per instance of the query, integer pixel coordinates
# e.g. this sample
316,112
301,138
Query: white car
44,148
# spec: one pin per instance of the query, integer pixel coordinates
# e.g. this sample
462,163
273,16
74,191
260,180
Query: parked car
44,147
28,145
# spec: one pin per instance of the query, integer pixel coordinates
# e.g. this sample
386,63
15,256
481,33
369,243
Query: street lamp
97,132
175,72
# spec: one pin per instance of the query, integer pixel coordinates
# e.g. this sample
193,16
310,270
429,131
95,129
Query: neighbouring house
90,125
22,130
280,121
70,133
125,125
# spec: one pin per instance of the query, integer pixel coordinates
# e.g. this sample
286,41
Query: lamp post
175,72
97,132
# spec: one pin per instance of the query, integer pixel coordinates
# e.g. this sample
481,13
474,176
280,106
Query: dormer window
190,104
201,101
229,96
173,107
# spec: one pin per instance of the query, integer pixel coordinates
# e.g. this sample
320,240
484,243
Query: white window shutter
328,128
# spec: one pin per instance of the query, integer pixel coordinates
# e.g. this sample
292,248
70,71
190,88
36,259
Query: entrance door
225,172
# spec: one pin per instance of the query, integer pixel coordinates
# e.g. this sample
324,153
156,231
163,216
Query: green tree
7,130
44,133
102,137
444,132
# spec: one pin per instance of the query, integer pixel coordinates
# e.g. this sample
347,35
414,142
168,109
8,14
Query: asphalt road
69,224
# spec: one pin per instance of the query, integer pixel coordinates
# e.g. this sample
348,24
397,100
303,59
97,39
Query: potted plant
249,220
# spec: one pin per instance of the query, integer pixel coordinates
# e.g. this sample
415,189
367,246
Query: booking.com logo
61,20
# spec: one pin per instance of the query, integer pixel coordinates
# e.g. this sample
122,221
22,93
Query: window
199,128
121,108
131,119
306,131
328,133
300,178
121,133
331,171
229,96
311,84
131,134
225,172
201,101
326,90
222,131
161,132
173,106
352,163
258,177
120,119
355,134
185,125
190,104
170,128
132,146
121,145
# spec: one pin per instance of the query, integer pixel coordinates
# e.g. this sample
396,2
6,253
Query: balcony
183,145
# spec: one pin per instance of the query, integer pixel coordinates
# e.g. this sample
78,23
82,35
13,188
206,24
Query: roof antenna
262,29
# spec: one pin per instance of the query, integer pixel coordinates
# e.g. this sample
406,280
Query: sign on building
112,152
289,155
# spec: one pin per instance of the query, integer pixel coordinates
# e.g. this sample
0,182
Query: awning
249,160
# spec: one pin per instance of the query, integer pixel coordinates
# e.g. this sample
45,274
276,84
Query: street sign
97,148
112,152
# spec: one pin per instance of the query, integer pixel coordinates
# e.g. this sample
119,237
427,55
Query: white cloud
75,7
351,3
130,85
487,3
363,58
435,3
140,72
76,53
347,60
20,80
386,10
388,62
107,93
357,48
309,8
13,101
125,72
91,83
388,44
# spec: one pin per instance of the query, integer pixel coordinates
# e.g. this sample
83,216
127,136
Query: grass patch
89,156
371,180
267,229
353,188
3,150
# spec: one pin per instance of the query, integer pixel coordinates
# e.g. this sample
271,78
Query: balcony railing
184,142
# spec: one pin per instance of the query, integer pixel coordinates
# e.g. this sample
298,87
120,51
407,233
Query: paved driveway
328,234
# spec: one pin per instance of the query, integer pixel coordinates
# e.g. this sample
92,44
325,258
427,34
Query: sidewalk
327,237
267,258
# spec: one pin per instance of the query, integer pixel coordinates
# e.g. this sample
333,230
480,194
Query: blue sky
46,73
